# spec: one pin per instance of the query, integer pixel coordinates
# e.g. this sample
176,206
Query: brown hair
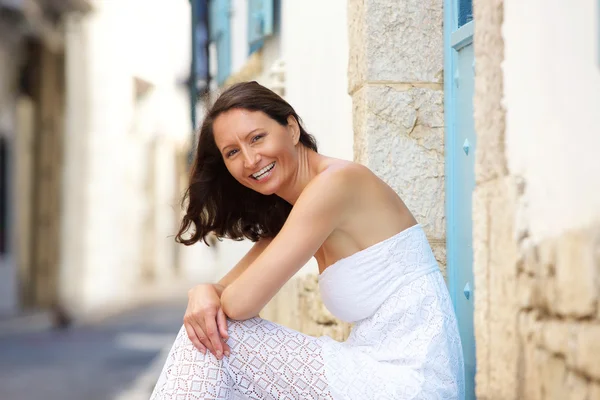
215,201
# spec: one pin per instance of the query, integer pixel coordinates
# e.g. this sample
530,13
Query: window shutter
220,34
260,22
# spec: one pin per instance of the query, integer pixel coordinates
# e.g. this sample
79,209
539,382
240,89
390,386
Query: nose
251,158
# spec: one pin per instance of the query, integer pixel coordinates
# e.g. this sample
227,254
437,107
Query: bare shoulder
338,180
342,172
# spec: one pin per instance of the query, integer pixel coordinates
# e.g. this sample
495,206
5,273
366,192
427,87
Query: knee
238,330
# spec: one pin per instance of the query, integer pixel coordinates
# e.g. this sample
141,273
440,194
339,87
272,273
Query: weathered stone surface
576,387
586,356
526,291
552,287
439,251
557,337
553,376
481,279
298,306
395,41
501,320
489,112
576,276
399,135
594,388
530,387
530,259
530,327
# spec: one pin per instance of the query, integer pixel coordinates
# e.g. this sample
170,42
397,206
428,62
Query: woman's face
258,152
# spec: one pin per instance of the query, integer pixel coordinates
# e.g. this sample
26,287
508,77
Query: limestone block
489,112
586,356
481,280
530,260
439,251
557,337
526,291
594,388
399,136
576,387
530,327
553,376
502,288
315,319
576,275
397,41
531,386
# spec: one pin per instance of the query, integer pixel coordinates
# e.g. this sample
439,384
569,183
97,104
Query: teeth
263,171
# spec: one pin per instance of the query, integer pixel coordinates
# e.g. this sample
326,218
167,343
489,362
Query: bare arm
204,319
242,265
319,210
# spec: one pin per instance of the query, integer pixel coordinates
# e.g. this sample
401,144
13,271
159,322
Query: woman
257,175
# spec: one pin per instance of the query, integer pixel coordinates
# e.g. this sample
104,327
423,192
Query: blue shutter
460,148
220,34
260,22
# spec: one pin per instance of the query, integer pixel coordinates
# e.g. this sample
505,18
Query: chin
265,190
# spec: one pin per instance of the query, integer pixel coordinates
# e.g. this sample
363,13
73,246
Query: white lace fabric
406,344
267,361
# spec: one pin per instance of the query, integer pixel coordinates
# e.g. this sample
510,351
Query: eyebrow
224,149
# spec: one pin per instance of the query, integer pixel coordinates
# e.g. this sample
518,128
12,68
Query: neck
308,167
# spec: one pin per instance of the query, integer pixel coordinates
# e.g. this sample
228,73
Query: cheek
236,169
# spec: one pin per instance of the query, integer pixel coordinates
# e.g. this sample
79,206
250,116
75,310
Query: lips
263,171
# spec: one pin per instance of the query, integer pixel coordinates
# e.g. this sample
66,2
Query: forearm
218,288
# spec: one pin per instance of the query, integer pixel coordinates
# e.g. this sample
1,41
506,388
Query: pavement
117,358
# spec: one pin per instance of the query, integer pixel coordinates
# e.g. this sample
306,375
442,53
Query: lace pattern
411,346
267,361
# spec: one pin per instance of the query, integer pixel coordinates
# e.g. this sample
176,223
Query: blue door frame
460,146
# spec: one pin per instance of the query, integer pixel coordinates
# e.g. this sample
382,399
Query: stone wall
395,78
537,275
298,306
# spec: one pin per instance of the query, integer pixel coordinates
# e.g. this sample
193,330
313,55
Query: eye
257,137
231,153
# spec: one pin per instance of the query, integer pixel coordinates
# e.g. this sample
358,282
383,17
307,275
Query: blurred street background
117,358
482,115
99,103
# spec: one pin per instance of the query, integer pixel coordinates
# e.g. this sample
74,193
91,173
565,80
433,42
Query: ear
294,128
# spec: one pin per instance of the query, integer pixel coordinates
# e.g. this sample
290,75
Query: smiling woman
215,199
257,175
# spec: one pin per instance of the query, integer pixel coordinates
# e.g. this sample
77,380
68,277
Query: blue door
461,145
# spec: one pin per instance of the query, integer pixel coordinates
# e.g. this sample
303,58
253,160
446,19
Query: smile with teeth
263,172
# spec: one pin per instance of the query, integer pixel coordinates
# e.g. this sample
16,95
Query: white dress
404,343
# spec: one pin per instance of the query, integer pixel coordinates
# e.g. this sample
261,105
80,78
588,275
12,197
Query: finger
202,337
226,349
222,323
213,334
194,338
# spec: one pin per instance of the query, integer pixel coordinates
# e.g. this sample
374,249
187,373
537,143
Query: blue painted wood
220,34
260,22
460,147
465,11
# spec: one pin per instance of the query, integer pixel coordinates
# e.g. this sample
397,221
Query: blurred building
32,121
95,137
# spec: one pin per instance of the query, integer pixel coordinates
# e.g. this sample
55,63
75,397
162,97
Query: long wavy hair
214,201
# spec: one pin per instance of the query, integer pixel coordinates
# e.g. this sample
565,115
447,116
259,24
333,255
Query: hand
205,321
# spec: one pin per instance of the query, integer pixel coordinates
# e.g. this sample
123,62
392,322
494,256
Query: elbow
236,309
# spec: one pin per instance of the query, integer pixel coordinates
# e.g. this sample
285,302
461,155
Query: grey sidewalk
118,358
